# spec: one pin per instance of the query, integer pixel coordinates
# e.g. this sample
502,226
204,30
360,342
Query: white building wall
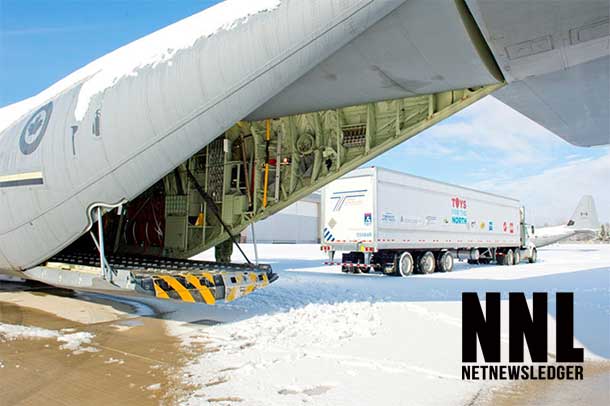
298,223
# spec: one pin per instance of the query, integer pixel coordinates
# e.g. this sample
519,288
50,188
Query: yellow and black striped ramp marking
187,288
241,284
199,288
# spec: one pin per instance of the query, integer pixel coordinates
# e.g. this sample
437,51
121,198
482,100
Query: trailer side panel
393,210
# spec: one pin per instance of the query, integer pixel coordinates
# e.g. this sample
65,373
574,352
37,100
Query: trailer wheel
534,257
517,256
427,263
508,258
445,262
405,264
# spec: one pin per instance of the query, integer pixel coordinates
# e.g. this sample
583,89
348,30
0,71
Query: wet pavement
130,359
593,390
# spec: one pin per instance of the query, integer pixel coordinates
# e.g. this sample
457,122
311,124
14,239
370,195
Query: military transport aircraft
584,221
176,142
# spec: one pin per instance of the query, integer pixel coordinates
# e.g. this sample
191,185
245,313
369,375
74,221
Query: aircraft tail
585,215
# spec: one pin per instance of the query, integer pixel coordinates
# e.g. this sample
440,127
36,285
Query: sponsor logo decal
347,198
458,203
459,214
388,218
411,220
459,220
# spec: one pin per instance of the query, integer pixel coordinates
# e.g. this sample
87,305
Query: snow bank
334,323
156,48
74,342
69,341
12,332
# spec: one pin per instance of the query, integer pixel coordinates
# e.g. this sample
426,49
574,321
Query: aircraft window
74,131
96,123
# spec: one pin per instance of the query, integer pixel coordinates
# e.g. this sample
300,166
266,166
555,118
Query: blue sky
487,145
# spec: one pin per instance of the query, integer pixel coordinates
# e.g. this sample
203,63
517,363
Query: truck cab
528,247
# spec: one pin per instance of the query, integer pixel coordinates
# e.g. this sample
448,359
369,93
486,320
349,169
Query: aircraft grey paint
583,221
555,56
57,165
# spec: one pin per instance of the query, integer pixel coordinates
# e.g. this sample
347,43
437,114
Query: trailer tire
405,264
445,262
534,257
508,258
427,263
516,256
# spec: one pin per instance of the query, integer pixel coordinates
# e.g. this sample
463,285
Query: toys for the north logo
459,214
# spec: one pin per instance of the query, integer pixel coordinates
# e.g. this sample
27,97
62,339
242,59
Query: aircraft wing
555,58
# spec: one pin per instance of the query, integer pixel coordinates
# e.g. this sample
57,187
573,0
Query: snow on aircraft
178,141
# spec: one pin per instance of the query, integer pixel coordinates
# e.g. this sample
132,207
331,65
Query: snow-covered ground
327,338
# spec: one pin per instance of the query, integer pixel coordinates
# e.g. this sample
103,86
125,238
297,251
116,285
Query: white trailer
399,224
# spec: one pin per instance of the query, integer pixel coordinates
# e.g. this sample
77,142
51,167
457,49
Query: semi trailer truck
398,224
